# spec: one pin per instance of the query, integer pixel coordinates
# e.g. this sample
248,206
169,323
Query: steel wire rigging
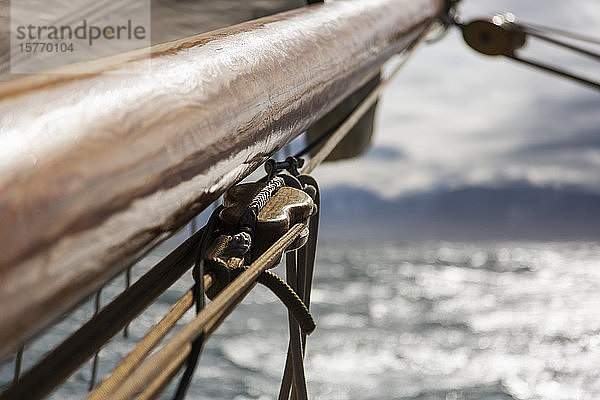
504,35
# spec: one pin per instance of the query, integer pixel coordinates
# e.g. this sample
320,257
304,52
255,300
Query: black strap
306,258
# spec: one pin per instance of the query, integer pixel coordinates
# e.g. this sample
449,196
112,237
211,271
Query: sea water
430,320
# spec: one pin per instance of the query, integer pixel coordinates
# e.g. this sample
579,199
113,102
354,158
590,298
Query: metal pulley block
498,36
502,35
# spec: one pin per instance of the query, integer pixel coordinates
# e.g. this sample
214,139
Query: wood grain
100,161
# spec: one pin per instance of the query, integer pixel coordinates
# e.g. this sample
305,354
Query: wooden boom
105,159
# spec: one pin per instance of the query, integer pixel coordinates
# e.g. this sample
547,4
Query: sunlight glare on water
430,320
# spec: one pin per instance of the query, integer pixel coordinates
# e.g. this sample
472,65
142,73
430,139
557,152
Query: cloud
461,118
384,153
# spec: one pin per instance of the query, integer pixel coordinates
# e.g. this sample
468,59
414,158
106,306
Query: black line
556,71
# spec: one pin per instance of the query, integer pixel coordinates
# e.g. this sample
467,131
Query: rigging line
307,257
18,364
548,68
198,290
288,374
127,286
311,146
95,361
310,248
57,365
126,366
296,262
192,360
209,319
332,140
288,296
294,361
158,385
315,143
547,29
561,43
299,391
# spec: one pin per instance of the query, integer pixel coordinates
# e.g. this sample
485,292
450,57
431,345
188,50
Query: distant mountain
517,212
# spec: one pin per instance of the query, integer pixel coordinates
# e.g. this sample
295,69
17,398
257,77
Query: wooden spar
105,159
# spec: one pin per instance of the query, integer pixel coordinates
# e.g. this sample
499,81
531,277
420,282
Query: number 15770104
46,47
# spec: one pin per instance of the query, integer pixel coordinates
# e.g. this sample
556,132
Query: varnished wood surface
170,19
101,162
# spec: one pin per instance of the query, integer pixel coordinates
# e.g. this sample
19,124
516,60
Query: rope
561,43
212,279
297,356
95,361
198,290
316,142
288,297
248,219
18,364
260,200
517,33
127,285
142,349
310,250
158,385
306,257
331,139
586,52
239,245
209,319
556,71
66,358
105,389
571,35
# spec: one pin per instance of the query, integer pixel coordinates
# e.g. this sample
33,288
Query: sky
454,118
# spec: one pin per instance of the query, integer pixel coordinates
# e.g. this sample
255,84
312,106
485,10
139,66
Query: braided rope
248,219
260,200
